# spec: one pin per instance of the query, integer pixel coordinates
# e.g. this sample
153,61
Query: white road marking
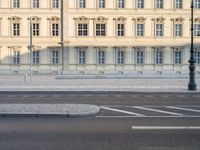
122,111
134,95
102,95
165,96
165,127
56,96
11,96
156,110
180,96
41,95
87,95
148,116
71,95
25,96
118,95
173,107
149,96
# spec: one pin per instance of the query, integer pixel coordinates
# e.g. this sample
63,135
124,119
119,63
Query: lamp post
192,85
30,46
62,34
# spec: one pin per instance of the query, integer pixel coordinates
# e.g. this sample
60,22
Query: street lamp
30,46
192,85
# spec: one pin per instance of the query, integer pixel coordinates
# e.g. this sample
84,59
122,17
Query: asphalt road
117,127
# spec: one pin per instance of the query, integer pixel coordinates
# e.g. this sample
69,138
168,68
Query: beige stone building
100,36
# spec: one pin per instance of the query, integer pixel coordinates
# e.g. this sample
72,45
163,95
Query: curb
82,110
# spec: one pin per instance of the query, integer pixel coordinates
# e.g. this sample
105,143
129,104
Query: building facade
100,36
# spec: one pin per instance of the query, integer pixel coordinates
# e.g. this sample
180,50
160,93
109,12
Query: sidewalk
50,83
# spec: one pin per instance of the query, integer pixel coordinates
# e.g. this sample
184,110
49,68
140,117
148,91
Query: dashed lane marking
55,96
165,127
180,96
187,109
40,96
11,96
165,96
134,95
122,111
118,95
25,96
87,95
156,110
72,95
103,95
149,96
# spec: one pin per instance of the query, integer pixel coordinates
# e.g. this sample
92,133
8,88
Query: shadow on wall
49,61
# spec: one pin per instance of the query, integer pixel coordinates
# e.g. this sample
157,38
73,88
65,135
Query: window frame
16,4
159,4
82,3
36,3
16,29
100,30
55,57
178,32
36,30
82,30
36,57
16,57
159,56
55,29
159,32
120,4
140,4
139,56
178,4
101,56
101,4
55,4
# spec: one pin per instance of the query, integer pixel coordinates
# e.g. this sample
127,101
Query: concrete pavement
69,110
51,83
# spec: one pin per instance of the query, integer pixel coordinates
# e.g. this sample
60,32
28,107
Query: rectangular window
178,30
197,57
100,29
82,29
140,29
158,56
16,57
159,4
101,3
36,57
36,3
159,29
120,57
36,29
101,57
196,29
54,57
178,57
55,29
139,56
16,29
179,4
197,4
55,3
121,3
120,29
140,3
82,4
16,3
82,57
